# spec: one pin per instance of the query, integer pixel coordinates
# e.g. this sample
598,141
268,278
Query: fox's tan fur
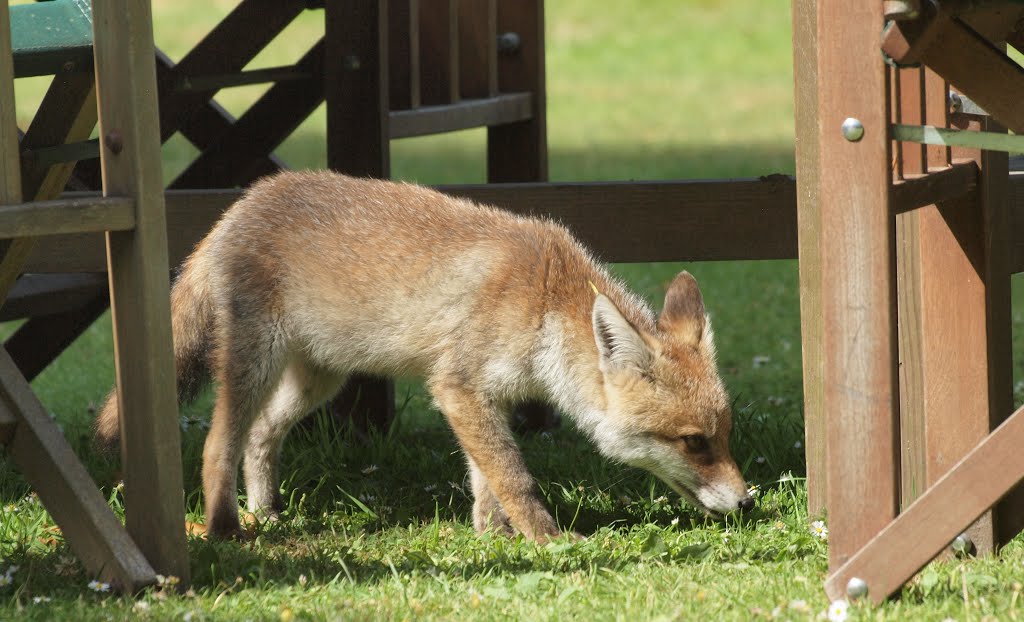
313,276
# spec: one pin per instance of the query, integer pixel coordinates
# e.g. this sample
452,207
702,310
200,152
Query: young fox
313,276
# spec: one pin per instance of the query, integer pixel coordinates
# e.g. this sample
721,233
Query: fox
313,276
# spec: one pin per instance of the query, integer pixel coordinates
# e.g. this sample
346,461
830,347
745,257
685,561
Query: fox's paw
495,521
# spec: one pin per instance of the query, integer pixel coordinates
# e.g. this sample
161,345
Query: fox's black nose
747,504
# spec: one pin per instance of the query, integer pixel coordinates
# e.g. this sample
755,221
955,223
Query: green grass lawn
382,530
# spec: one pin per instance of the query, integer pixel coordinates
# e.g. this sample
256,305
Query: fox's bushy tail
192,322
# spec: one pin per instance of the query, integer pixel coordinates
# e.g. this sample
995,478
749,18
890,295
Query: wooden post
404,54
439,51
858,288
805,75
478,48
358,143
519,151
139,287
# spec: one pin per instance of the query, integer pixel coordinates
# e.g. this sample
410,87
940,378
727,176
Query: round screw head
853,129
114,141
962,544
856,588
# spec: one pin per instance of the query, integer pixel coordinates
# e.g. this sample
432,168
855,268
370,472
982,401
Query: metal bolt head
853,129
956,103
962,544
856,588
114,141
509,42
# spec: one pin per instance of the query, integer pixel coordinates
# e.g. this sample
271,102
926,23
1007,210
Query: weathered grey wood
67,216
47,294
44,457
925,528
805,71
138,266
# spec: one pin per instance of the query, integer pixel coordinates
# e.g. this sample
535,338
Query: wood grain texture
439,51
518,151
59,216
44,457
404,54
478,48
959,497
501,109
138,267
805,72
858,285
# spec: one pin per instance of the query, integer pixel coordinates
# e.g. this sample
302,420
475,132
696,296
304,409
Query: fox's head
668,411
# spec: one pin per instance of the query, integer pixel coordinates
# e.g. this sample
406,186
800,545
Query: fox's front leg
496,464
487,510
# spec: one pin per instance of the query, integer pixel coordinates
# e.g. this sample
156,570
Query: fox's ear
620,346
683,315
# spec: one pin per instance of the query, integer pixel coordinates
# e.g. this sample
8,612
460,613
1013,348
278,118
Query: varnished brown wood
404,54
858,294
967,60
478,48
139,287
946,184
67,216
48,464
518,151
439,51
470,113
925,528
227,160
805,71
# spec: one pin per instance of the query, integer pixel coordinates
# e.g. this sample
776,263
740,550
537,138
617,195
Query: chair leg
139,285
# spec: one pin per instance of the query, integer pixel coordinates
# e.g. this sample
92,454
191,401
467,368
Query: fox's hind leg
482,429
250,359
300,390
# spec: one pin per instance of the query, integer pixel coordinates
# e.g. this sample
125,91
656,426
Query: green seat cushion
46,36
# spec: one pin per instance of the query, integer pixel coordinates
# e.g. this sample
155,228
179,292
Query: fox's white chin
692,499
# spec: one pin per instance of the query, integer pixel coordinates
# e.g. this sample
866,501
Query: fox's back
389,277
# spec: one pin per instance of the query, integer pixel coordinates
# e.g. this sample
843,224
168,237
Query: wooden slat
67,216
227,48
10,170
356,79
506,108
43,337
518,151
478,48
857,277
67,114
805,68
228,160
49,465
925,528
919,190
439,51
140,292
47,294
404,53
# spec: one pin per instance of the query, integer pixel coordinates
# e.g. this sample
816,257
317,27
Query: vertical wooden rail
519,151
478,48
439,51
139,287
356,90
404,54
805,75
858,288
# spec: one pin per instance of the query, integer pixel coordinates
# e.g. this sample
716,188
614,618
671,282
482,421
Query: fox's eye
696,442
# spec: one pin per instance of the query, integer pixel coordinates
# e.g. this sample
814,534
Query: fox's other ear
683,315
619,345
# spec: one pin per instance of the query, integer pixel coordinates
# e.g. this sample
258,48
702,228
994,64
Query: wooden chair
104,72
905,257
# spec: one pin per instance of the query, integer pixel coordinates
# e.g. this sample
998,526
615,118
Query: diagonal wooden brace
969,61
944,511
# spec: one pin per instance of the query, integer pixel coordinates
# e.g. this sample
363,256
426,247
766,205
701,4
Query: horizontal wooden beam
931,523
936,187
49,294
76,215
464,115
